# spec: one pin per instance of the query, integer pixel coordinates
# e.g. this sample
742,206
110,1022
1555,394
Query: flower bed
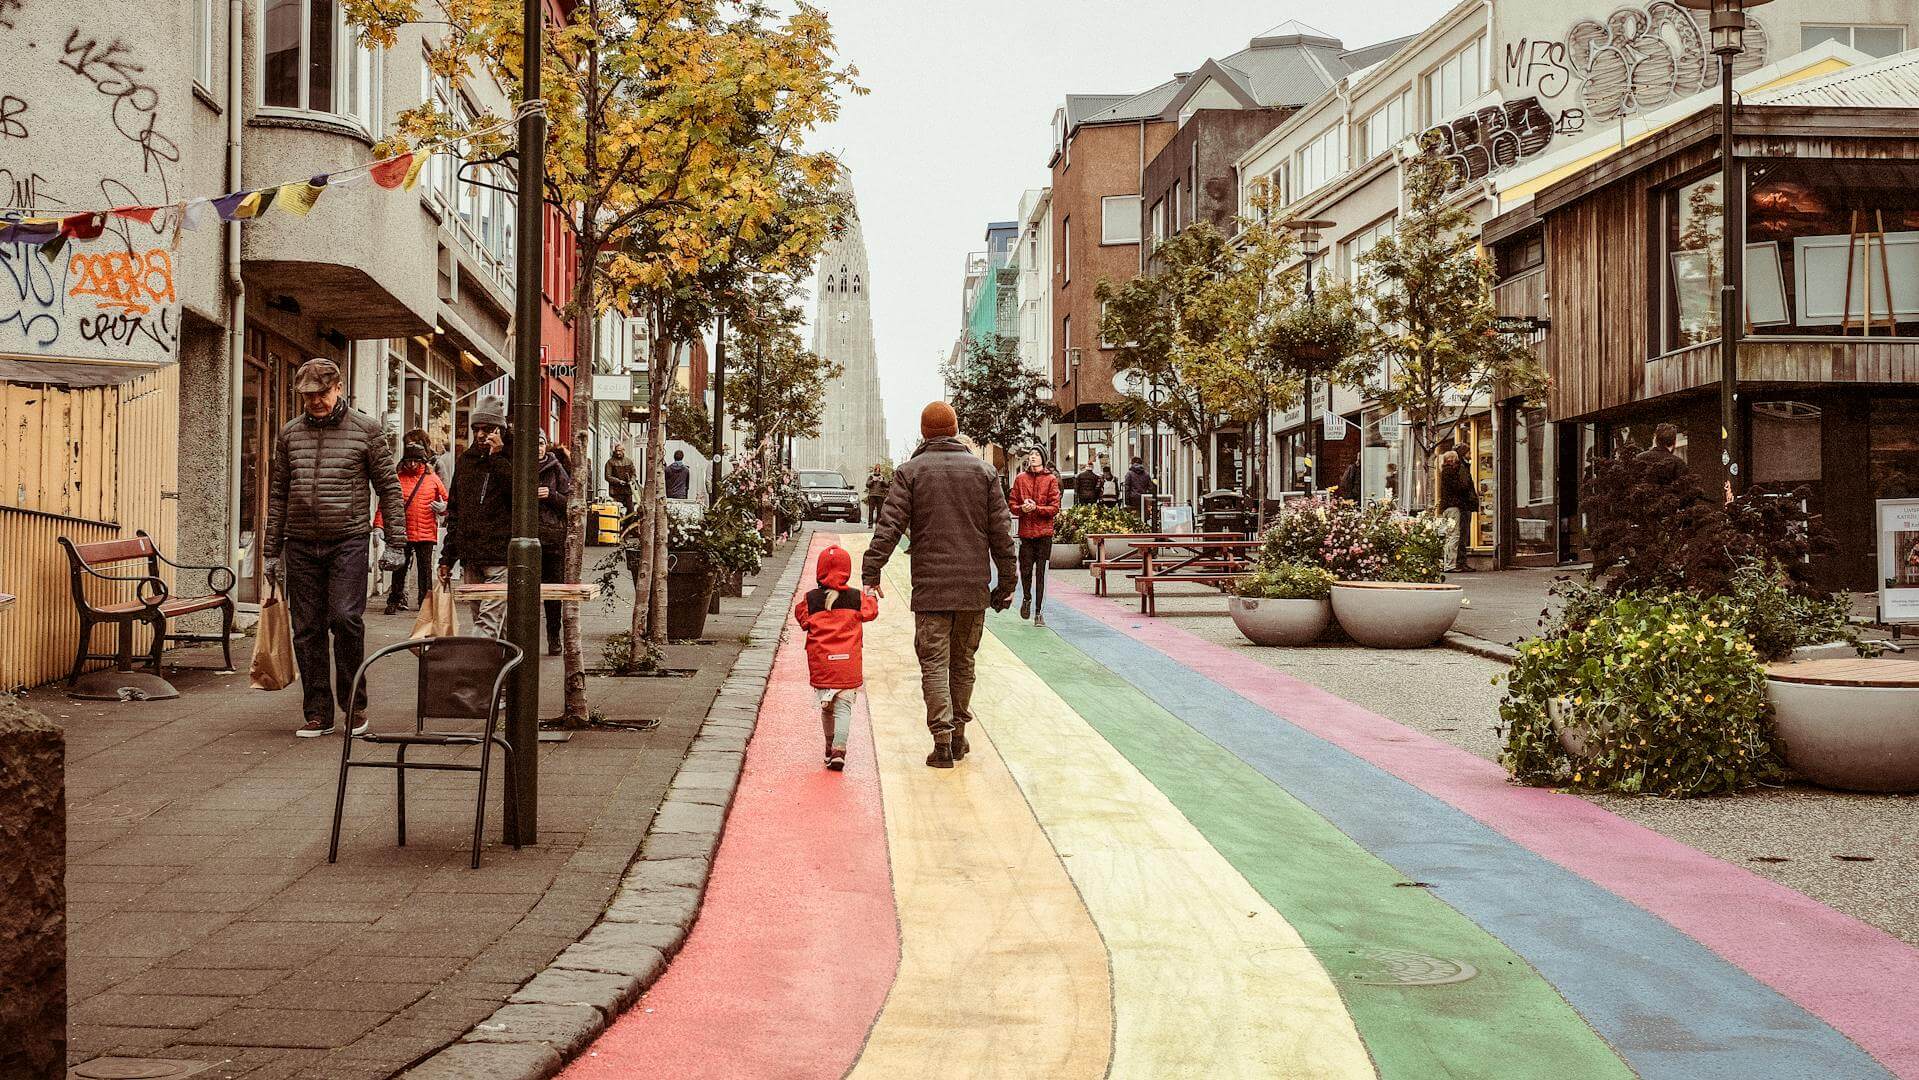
1357,543
1284,604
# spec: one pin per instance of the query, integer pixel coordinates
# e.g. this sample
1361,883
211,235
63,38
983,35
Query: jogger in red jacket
832,616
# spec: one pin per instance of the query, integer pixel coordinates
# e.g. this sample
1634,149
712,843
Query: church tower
853,422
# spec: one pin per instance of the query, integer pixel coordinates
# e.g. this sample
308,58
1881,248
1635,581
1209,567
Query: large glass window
1832,247
1895,447
1386,127
1871,40
1119,219
1321,161
1456,83
311,61
1695,222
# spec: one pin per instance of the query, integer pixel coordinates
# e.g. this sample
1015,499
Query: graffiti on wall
110,298
1495,138
1646,55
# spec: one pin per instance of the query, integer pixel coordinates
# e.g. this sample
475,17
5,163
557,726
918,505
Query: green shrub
1077,522
1286,581
1357,543
1779,618
1666,688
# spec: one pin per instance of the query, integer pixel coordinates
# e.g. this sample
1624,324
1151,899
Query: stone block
687,817
488,1061
33,863
677,846
673,907
613,954
607,992
565,1028
651,875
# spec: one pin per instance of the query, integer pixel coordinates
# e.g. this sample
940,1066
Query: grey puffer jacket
322,471
952,504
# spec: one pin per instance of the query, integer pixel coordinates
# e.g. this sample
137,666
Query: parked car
828,496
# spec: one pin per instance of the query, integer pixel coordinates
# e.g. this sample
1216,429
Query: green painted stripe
1354,911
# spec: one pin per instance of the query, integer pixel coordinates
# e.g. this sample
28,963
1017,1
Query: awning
78,374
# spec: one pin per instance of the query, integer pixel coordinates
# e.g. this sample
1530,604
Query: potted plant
1282,604
1086,520
1388,591
1069,542
701,547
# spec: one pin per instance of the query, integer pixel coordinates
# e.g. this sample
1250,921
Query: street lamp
1309,230
1153,396
1727,22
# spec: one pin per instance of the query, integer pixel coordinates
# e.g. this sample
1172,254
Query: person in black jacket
1458,501
324,463
679,478
556,492
479,516
1086,486
1139,488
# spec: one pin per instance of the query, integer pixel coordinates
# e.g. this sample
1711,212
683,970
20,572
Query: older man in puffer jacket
325,461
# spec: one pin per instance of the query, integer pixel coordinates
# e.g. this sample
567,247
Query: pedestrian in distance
1034,500
1086,486
833,617
1139,487
423,500
679,478
876,485
1349,483
555,495
1458,500
963,560
1108,486
479,516
326,461
619,478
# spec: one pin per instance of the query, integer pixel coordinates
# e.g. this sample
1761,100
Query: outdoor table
1202,561
1130,559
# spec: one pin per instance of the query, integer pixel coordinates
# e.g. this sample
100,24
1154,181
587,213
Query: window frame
1327,149
346,47
1434,82
1364,141
1107,218
1852,35
1066,248
203,45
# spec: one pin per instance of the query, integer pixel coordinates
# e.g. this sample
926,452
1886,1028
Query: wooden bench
1213,562
153,603
1130,560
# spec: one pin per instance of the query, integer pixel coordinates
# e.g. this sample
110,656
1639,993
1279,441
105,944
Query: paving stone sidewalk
206,925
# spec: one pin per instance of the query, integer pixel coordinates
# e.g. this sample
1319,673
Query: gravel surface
1451,696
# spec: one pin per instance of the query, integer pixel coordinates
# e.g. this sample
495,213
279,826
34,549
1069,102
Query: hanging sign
1898,560
1389,429
1334,427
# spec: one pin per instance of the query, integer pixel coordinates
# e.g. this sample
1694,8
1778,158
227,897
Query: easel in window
1861,242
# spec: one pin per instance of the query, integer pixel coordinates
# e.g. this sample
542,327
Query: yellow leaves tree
675,149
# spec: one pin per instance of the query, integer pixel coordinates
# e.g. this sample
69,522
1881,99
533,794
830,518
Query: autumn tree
999,401
777,386
668,120
688,421
1426,303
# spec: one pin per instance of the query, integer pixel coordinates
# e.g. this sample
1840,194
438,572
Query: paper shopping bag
273,650
436,617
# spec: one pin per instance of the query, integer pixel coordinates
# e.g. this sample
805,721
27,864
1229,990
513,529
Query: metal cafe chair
461,679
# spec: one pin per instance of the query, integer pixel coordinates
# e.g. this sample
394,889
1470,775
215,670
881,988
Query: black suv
829,496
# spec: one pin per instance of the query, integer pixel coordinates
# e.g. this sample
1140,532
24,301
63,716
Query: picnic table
1200,561
1129,560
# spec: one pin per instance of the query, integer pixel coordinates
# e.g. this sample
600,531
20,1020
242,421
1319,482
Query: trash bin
603,522
1227,512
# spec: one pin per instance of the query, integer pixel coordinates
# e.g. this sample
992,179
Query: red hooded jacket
1043,489
831,616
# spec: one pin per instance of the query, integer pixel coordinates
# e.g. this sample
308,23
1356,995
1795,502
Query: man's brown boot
960,747
941,757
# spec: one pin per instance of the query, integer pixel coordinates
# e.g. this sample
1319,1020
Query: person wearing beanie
324,463
423,497
832,617
1034,500
479,516
951,503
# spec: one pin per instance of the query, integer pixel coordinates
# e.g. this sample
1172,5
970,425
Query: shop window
1695,222
1832,248
1787,446
1895,448
311,61
1520,254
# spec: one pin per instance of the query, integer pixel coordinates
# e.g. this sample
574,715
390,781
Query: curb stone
560,1011
1491,650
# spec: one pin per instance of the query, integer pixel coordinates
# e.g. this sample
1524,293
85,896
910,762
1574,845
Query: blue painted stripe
1673,1009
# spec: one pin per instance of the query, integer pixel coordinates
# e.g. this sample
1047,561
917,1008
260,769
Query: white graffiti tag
1644,56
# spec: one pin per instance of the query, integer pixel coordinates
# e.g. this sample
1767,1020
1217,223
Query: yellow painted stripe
1195,948
1002,972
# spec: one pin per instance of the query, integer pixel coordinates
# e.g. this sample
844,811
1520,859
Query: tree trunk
656,454
585,340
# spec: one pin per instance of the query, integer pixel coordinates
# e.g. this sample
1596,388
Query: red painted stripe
1853,976
797,941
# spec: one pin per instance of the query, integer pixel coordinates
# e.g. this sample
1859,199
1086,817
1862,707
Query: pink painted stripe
1853,976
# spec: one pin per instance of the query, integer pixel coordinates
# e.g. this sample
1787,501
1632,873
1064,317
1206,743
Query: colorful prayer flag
203,212
413,173
392,172
141,214
86,226
298,198
255,203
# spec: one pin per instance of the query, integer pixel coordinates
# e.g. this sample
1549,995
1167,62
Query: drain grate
125,1068
1402,967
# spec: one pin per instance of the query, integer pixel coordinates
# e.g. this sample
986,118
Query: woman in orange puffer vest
832,616
1035,502
424,497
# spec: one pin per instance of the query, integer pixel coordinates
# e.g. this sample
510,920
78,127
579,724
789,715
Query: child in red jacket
831,616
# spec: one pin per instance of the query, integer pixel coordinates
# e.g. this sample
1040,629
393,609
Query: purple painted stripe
1853,976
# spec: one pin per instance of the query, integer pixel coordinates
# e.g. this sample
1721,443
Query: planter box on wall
1280,622
1395,614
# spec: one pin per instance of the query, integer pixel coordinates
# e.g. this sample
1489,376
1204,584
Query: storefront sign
1334,426
1899,560
1390,428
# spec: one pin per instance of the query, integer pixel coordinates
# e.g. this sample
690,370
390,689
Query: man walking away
1139,488
1086,487
324,464
1458,501
619,478
962,535
876,486
1035,502
479,517
678,477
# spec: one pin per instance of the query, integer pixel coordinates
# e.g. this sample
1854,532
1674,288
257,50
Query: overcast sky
958,125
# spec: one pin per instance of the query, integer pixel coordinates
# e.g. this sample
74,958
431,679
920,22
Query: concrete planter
1280,622
1113,549
1067,556
1857,738
1395,614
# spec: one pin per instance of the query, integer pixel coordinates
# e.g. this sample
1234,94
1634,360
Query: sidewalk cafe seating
1116,553
462,685
153,602
1189,560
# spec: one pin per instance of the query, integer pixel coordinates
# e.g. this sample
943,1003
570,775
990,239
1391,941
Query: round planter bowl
1067,556
1395,614
1280,622
1113,549
1856,738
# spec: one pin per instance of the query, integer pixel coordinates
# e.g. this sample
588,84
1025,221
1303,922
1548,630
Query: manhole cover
1401,967
123,1068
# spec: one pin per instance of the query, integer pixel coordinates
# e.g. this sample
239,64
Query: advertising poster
1899,560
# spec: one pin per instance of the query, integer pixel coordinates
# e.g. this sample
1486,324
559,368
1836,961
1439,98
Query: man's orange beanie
937,420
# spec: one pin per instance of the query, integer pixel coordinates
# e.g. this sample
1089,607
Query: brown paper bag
273,649
436,617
